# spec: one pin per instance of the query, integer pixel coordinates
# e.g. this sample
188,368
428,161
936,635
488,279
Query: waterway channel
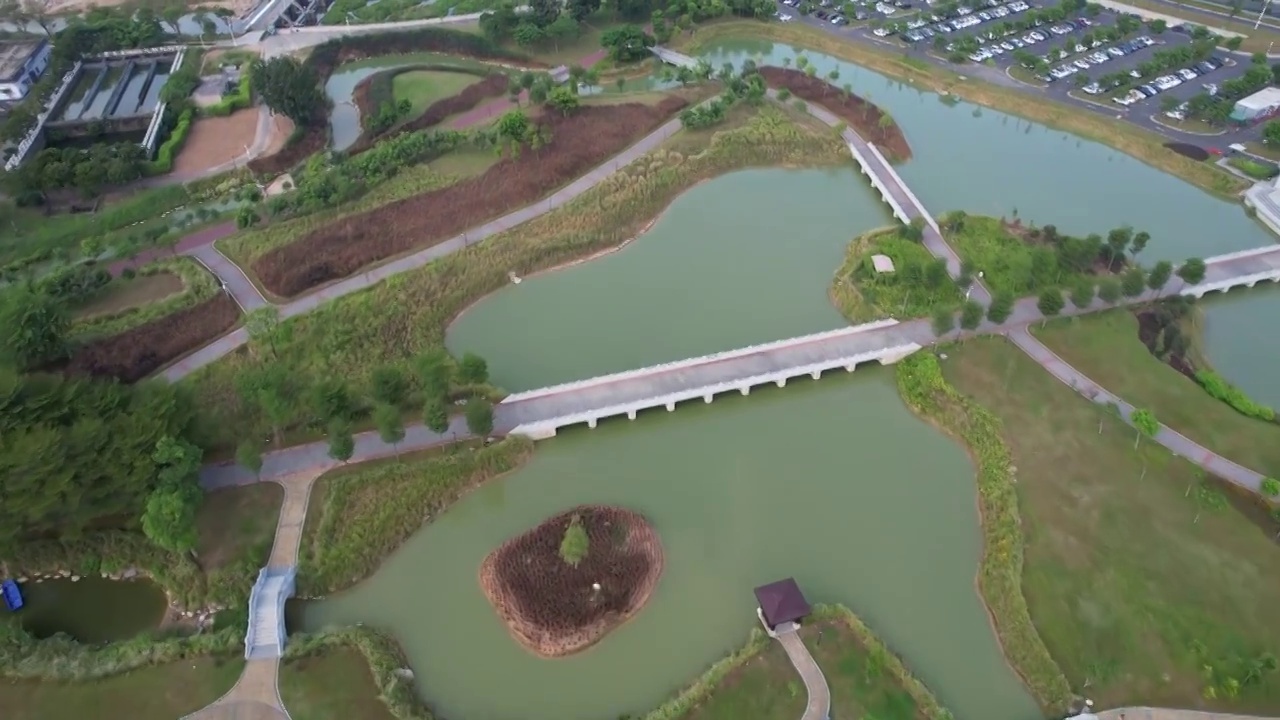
834,482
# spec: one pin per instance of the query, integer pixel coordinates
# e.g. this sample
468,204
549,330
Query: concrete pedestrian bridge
540,413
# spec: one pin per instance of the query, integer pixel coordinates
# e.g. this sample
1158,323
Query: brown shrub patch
579,143
136,353
553,608
311,140
863,117
436,112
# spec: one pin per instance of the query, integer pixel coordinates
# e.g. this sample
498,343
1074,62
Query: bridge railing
700,360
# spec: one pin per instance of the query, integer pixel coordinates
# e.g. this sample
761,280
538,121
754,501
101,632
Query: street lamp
1261,13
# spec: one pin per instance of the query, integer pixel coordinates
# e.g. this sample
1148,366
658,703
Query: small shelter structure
781,602
882,263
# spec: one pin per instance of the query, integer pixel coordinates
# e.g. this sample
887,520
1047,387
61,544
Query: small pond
91,610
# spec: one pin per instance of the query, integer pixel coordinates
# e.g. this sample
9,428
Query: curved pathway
1150,713
818,706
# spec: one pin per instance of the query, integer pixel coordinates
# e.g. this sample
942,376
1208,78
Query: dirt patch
298,146
579,143
1187,150
873,124
1160,331
216,141
553,608
436,112
281,129
140,351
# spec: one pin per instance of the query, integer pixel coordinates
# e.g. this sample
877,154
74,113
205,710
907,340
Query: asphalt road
1140,114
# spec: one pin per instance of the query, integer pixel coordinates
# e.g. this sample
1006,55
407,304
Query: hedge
170,147
61,659
239,100
927,392
1219,388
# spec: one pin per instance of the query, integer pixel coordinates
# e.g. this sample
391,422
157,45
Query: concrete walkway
818,706
1150,713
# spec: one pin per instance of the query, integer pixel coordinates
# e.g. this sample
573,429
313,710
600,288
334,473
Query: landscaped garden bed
568,582
140,351
873,124
369,101
578,143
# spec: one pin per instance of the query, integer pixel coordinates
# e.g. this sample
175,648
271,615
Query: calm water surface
92,610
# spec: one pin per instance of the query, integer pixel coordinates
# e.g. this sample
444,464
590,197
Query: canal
834,482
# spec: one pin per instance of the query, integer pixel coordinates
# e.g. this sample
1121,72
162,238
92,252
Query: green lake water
834,482
91,610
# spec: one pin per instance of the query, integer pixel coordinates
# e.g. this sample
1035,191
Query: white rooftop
882,263
1264,99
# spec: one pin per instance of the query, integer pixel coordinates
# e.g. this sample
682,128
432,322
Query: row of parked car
1098,57
1010,43
1169,82
923,28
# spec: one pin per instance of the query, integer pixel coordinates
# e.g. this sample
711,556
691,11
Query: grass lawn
571,52
162,692
1252,168
334,685
862,680
1141,593
1106,348
862,295
122,294
465,163
1126,137
423,87
1263,150
234,521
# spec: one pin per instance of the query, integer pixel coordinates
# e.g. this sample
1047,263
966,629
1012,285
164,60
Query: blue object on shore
12,595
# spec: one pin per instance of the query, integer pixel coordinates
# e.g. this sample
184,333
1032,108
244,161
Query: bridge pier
631,414
850,368
745,389
707,399
816,374
591,423
781,382
671,406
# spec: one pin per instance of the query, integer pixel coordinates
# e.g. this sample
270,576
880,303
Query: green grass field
1143,592
1106,348
122,294
423,87
163,692
335,685
235,521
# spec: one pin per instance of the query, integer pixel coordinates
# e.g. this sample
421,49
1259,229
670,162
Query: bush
238,100
1219,388
60,659
74,284
923,387
171,146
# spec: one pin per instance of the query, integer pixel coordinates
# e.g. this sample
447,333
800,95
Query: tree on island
1159,276
574,546
1146,424
479,416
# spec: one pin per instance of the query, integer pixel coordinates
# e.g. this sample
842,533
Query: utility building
21,63
1258,106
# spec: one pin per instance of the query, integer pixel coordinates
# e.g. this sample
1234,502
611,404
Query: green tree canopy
1050,302
1133,283
628,43
473,369
435,416
35,327
971,315
1145,422
575,545
1001,307
944,321
1192,271
342,444
288,87
479,417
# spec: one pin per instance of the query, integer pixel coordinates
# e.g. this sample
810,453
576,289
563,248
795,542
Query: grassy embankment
1142,586
758,681
862,295
408,314
1106,348
1126,137
359,514
423,87
160,288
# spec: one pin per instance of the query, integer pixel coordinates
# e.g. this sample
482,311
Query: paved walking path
818,706
1149,713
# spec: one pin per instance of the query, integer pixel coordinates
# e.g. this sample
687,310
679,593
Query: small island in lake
563,585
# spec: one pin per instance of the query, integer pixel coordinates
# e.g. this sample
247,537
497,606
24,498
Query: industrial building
1258,106
21,63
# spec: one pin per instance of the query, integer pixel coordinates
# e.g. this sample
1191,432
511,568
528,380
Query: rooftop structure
21,63
1261,104
781,602
882,263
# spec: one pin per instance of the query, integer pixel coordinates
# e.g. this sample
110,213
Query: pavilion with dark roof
781,602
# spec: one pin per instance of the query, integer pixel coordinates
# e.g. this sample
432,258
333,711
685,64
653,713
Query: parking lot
1096,59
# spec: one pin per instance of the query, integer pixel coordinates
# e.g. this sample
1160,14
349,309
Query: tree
564,28
914,230
514,130
288,87
1109,290
944,321
576,544
262,325
564,100
971,315
249,455
1082,293
1270,487
91,248
1157,26
435,374
543,12
1271,131
435,416
628,43
1050,302
473,370
169,519
1117,242
479,416
389,385
1140,240
1159,275
389,423
1144,421
331,399
1133,283
527,34
342,444
1001,307
35,325
1192,271
580,9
